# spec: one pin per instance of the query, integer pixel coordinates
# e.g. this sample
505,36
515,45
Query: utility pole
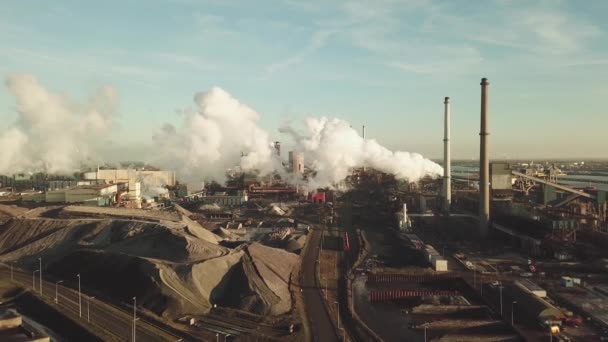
338,312
79,297
40,260
57,290
34,279
500,288
89,308
134,318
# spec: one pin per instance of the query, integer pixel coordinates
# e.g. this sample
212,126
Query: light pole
500,289
89,308
217,337
512,315
134,328
338,312
134,317
474,277
79,297
425,326
57,290
40,260
34,279
323,279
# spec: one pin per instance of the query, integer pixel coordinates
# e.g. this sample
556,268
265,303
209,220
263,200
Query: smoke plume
213,135
51,133
332,148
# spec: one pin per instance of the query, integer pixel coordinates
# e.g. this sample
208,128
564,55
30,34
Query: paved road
322,328
113,320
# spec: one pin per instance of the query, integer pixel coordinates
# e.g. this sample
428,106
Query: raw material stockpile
174,266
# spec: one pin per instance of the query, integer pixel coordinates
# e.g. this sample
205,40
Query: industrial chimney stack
363,132
484,162
447,184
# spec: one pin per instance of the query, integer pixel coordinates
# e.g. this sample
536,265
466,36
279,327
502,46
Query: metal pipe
447,184
484,162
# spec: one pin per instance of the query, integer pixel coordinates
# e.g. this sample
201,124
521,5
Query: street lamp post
338,312
217,337
135,327
425,326
34,279
500,289
79,297
89,308
512,315
40,260
474,277
134,317
57,290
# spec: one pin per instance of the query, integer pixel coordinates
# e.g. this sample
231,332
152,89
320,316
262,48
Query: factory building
296,162
223,198
100,194
133,176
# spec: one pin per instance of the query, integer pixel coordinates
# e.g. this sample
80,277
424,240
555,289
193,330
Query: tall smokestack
363,132
484,162
447,184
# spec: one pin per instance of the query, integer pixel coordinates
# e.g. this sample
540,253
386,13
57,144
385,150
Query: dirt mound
173,271
22,238
274,267
152,215
116,275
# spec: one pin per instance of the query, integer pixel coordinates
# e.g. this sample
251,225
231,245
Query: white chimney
447,184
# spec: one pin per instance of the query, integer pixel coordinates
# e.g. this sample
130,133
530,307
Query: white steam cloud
333,148
55,135
51,133
214,134
212,138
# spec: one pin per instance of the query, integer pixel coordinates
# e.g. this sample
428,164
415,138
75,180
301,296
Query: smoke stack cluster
447,184
484,162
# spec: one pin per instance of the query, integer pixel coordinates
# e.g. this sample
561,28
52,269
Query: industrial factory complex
492,250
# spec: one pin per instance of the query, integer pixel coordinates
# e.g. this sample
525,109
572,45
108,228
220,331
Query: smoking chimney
484,162
277,147
447,184
363,132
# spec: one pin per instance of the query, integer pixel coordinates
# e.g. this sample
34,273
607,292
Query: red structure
374,278
317,197
346,243
376,296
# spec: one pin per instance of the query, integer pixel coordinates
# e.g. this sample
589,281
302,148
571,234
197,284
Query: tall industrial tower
447,161
484,162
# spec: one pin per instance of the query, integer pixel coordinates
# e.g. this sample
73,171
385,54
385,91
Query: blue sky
384,63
